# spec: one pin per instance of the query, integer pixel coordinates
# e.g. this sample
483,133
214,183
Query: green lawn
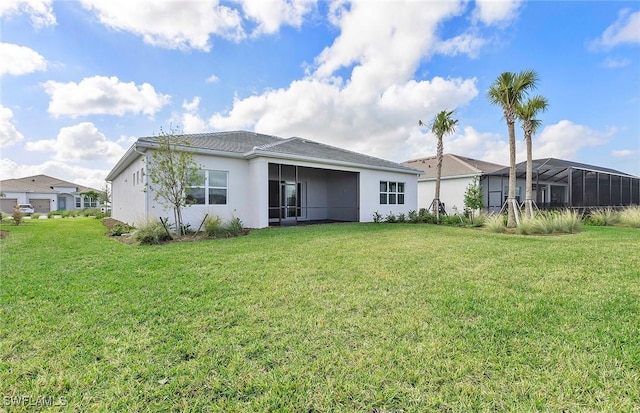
331,318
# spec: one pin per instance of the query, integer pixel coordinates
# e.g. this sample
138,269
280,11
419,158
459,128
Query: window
391,193
78,202
210,189
89,203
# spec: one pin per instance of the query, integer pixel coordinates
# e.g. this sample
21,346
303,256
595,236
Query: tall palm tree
527,112
508,91
443,124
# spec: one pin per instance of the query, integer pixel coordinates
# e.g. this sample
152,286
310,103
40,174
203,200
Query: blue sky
80,81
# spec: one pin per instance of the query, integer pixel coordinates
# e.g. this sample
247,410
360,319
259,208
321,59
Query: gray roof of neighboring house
452,165
556,169
248,144
39,183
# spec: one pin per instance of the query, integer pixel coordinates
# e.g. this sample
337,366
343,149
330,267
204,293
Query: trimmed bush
17,216
151,232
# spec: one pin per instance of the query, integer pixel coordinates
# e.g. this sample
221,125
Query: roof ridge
272,144
465,163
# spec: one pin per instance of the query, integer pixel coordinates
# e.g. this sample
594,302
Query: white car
26,209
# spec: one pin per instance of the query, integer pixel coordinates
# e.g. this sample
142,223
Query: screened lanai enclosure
564,184
299,194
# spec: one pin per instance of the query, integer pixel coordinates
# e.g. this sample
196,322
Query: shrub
35,215
88,212
213,227
496,223
17,216
454,220
391,218
630,216
151,232
100,215
235,227
1,216
426,216
377,217
402,217
119,229
413,216
602,217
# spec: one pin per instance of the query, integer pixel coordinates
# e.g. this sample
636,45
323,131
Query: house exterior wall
370,193
452,190
128,196
248,192
240,194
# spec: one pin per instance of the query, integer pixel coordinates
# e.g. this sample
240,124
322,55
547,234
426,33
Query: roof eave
277,155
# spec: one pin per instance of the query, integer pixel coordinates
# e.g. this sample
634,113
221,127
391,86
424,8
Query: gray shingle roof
247,143
452,165
38,183
553,168
235,141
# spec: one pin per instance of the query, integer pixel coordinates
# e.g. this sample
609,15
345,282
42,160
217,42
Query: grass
348,317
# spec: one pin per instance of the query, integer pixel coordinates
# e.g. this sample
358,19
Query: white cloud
372,37
491,12
191,106
613,63
170,24
272,14
379,125
376,110
19,60
467,43
90,177
212,79
565,139
192,123
103,95
623,153
40,11
81,142
9,135
626,29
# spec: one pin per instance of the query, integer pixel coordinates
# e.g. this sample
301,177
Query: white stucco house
45,193
267,180
457,173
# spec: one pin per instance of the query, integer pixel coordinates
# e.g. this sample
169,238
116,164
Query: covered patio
559,183
300,194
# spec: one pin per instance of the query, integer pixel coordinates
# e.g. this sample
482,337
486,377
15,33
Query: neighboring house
558,183
457,173
45,193
266,180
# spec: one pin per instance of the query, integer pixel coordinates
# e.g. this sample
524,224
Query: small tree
91,195
105,195
172,172
473,196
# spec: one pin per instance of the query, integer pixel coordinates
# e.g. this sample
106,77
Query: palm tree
527,112
443,124
508,91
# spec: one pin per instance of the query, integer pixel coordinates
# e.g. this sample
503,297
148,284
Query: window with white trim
391,193
211,188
